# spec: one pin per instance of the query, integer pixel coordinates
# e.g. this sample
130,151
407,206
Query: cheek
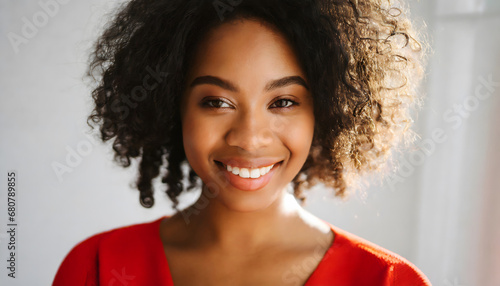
297,134
199,136
301,136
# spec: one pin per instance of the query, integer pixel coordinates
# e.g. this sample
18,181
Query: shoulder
351,256
81,264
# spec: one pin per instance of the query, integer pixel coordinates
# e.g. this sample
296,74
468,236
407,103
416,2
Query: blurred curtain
458,237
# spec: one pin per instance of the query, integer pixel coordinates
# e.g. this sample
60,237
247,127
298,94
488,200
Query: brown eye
215,103
284,103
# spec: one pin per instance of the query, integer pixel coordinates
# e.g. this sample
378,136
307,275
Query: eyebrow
228,85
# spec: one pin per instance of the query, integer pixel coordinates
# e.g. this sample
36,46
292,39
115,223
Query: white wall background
441,214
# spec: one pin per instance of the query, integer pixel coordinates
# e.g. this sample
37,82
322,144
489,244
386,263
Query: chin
240,201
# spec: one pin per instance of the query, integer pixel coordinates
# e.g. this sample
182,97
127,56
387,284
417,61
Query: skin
264,230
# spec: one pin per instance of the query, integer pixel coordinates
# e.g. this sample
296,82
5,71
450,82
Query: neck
218,227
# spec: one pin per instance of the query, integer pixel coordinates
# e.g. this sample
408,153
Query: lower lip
248,184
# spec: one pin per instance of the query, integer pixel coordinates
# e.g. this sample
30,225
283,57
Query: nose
250,131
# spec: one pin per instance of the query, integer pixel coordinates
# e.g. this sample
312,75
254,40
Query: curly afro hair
362,59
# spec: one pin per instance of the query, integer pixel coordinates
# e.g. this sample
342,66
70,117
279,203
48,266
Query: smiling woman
241,131
277,97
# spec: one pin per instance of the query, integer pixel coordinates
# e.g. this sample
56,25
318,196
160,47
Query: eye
215,103
284,103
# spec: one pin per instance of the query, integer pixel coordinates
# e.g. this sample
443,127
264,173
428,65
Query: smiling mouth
248,173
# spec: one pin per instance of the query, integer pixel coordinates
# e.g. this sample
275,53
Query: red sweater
133,255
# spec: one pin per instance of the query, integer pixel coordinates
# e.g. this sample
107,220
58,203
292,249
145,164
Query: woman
257,97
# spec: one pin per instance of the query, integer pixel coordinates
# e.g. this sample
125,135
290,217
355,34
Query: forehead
245,48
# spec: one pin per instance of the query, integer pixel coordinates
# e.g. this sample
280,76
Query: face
246,106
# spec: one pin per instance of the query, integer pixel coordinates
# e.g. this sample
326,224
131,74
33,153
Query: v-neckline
168,275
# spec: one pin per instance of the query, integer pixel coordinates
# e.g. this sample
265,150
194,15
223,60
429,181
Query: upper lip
249,163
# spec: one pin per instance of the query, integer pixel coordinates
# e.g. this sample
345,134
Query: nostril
250,138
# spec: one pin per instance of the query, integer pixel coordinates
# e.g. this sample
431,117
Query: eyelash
206,103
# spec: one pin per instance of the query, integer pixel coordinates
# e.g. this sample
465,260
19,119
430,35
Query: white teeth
255,173
249,173
235,170
244,173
